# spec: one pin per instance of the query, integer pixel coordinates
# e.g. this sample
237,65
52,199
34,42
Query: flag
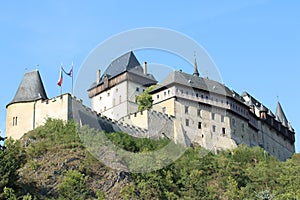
70,73
60,80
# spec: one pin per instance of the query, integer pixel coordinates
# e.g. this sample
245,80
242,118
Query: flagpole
72,77
61,84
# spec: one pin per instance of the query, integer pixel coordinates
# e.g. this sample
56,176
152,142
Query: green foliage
242,173
101,195
11,159
132,144
55,133
9,194
144,100
73,186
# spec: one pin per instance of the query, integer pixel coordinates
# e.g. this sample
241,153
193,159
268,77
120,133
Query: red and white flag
60,80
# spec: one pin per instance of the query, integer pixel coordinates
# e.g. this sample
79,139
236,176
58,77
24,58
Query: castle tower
114,92
280,116
20,115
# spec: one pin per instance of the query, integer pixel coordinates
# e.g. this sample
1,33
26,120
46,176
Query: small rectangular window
222,118
120,99
223,131
213,116
199,125
186,109
165,93
137,89
187,122
213,128
108,94
164,109
157,96
233,122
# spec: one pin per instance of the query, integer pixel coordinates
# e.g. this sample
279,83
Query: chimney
98,76
145,68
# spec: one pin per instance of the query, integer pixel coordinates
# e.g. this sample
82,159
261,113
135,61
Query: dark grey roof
270,113
254,102
125,63
189,80
280,116
31,88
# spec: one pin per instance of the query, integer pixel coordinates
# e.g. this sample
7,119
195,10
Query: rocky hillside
51,162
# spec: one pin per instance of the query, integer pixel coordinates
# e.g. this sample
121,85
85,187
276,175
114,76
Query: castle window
157,96
223,131
199,125
120,99
202,96
168,91
213,116
104,108
137,89
165,93
243,127
197,94
222,118
187,122
108,94
207,97
217,100
186,109
100,98
199,112
213,128
164,109
117,89
222,101
15,121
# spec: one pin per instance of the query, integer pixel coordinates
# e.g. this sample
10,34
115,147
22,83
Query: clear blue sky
254,43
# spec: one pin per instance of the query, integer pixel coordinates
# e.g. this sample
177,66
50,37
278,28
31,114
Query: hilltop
52,163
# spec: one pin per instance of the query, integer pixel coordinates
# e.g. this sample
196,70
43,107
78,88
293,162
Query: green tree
145,99
2,140
11,159
73,186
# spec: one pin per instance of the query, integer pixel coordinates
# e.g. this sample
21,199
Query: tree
11,159
2,147
73,186
145,99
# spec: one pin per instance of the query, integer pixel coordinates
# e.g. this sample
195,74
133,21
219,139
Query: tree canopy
144,100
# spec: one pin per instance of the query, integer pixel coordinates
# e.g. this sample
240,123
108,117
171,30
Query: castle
187,108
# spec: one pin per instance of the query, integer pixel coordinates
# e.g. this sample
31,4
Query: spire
280,116
31,88
196,73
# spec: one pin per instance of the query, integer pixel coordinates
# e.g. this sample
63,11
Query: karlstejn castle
187,108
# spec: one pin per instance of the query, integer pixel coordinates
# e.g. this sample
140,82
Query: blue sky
255,44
